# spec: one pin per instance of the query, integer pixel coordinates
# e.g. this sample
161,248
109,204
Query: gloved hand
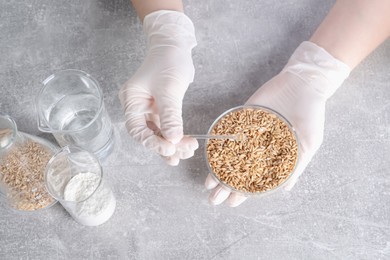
152,98
299,92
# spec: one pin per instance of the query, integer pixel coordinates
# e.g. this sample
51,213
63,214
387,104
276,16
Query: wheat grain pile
22,175
262,161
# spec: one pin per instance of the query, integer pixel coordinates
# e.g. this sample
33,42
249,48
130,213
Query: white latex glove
152,98
299,92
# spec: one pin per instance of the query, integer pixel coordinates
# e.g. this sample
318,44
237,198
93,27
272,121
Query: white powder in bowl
89,201
81,186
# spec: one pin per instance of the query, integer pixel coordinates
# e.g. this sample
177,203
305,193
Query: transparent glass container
23,159
70,105
75,178
231,188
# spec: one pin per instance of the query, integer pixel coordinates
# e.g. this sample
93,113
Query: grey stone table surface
340,208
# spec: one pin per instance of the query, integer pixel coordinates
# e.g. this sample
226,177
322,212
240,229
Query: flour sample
88,199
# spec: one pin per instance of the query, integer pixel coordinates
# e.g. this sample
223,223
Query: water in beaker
70,106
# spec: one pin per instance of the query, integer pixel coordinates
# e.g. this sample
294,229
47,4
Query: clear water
76,114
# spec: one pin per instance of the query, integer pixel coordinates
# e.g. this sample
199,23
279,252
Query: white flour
81,186
87,209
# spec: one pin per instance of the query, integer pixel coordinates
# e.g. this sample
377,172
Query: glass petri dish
17,148
267,110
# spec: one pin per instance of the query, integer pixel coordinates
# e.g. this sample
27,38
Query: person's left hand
299,93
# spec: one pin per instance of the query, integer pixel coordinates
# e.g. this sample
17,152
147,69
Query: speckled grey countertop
340,208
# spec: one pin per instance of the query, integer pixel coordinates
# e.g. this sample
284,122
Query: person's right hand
299,93
152,98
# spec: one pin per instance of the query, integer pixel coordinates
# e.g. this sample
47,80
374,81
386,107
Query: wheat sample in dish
21,173
261,162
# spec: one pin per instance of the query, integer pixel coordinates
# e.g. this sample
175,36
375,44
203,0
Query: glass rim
21,211
269,110
45,83
67,150
14,128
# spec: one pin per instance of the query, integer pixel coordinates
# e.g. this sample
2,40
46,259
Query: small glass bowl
16,139
268,110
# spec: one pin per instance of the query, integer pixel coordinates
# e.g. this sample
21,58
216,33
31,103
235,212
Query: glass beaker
23,159
75,178
70,106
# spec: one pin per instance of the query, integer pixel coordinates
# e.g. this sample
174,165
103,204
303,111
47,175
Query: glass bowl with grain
23,159
262,160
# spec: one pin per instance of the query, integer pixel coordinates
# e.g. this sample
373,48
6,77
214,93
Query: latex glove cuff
169,28
316,66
